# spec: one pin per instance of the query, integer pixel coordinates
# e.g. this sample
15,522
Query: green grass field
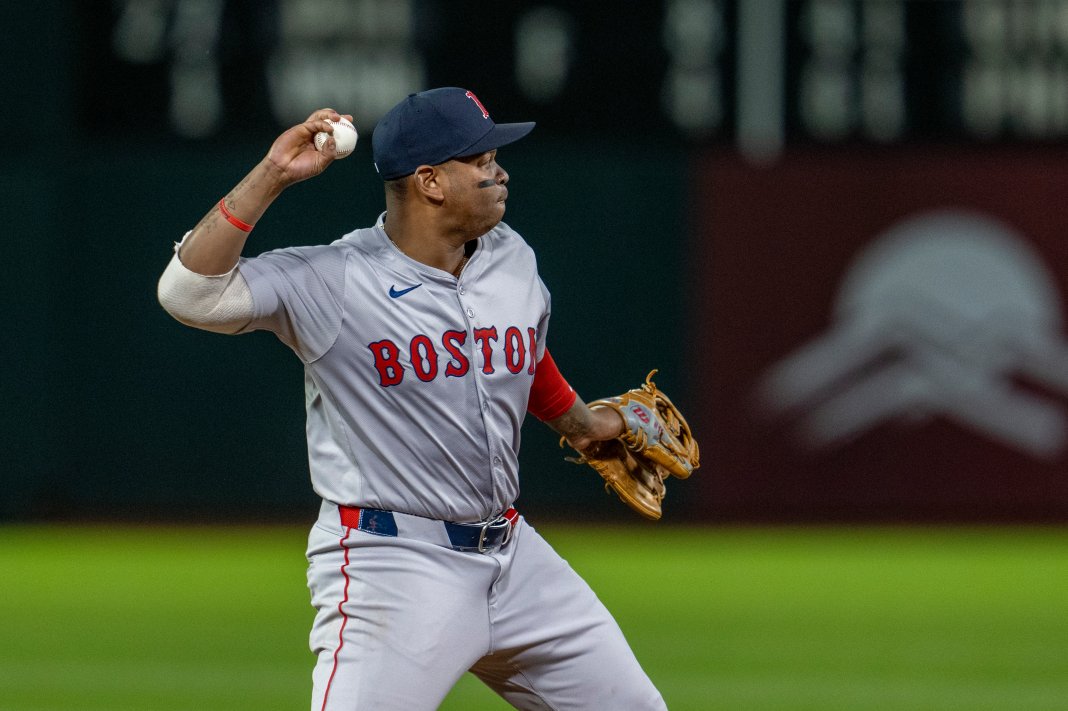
109,619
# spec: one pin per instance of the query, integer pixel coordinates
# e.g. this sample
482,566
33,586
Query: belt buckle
482,536
496,523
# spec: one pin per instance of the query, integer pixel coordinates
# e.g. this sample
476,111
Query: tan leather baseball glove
656,443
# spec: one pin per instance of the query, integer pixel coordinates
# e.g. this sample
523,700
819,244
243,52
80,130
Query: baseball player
423,339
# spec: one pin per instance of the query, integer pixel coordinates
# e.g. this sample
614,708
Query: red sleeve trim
550,395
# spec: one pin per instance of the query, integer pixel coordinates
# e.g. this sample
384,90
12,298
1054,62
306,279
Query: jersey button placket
483,397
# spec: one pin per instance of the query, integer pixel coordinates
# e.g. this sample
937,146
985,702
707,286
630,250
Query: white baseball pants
400,620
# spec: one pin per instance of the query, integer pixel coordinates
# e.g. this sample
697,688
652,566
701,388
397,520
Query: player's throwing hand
294,155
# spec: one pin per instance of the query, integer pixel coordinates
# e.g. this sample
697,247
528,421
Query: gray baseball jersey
416,382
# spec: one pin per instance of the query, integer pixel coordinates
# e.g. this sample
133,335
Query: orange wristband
239,224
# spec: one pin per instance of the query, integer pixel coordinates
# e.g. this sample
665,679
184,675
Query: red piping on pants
344,619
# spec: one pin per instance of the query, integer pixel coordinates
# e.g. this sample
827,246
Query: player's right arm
215,244
201,286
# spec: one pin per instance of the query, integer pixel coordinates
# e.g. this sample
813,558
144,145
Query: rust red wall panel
880,335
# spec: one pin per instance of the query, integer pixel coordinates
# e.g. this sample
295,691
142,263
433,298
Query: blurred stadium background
837,227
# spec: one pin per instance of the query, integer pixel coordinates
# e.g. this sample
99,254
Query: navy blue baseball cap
434,126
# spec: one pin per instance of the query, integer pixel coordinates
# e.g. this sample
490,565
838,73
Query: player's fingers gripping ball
344,137
656,443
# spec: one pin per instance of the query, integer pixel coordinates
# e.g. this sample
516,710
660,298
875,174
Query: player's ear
427,180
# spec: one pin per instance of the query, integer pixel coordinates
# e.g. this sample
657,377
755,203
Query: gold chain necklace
460,267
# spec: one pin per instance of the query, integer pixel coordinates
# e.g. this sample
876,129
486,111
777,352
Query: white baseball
344,137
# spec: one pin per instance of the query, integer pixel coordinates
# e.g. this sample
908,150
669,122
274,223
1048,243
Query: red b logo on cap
471,95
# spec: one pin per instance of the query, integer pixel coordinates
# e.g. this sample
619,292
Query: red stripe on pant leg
344,618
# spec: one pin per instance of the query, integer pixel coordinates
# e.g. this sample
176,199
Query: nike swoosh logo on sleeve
396,293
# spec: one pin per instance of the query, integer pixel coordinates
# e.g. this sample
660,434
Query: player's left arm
555,402
583,426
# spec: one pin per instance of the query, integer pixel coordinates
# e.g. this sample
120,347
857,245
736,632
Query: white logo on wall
946,314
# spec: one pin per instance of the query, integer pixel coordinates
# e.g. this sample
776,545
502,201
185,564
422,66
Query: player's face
477,191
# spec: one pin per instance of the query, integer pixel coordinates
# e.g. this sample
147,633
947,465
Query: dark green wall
117,410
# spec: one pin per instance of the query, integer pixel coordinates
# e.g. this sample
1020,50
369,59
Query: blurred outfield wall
882,336
116,410
859,328
121,411
854,339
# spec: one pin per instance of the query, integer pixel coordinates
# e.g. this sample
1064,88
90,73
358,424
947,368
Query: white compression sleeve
221,303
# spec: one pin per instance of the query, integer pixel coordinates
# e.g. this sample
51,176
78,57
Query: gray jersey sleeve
297,294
